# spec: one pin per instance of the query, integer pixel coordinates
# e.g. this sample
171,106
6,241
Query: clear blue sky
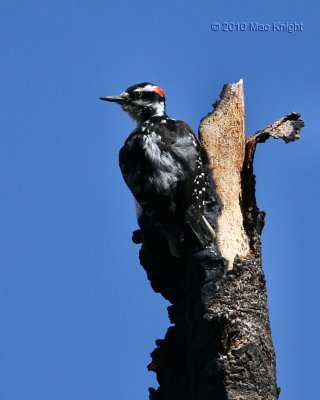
78,318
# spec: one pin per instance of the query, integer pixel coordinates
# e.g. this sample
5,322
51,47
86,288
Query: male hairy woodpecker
162,165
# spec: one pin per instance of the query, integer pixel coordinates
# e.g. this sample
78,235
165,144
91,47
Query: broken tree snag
239,312
219,344
222,134
288,129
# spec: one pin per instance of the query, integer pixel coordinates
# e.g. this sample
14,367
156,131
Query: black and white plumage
162,165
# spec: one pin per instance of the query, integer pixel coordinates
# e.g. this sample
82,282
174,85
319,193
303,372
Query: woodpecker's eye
137,95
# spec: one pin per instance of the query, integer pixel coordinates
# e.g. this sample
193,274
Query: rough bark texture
219,345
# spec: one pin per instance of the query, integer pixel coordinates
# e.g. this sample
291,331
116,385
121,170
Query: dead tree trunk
219,345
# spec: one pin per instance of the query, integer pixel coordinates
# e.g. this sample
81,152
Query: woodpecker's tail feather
200,227
175,233
193,224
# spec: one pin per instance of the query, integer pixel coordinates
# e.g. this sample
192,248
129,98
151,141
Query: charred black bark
219,346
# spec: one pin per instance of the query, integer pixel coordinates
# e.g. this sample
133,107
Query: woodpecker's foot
137,236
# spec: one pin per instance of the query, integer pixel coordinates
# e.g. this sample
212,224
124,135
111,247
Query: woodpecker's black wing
194,190
162,165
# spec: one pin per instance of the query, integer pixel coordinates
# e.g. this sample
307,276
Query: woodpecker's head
141,101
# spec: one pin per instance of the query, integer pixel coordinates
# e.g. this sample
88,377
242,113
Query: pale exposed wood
222,133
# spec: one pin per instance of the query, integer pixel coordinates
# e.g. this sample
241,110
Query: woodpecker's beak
115,99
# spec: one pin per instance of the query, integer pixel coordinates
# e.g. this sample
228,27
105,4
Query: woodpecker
162,165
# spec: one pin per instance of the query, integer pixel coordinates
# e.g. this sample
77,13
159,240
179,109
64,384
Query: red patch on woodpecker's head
158,90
